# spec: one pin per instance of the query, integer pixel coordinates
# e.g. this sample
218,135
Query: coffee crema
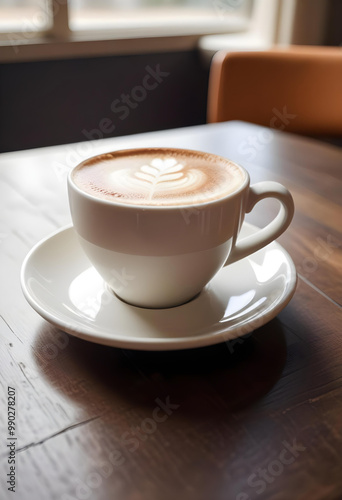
158,177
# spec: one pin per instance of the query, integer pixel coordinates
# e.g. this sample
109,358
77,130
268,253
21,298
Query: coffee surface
158,177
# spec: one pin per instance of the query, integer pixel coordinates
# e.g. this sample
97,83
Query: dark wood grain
84,410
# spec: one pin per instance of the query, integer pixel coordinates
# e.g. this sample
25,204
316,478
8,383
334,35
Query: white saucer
61,285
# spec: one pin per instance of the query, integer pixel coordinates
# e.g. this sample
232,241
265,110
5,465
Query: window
37,29
25,16
122,17
177,15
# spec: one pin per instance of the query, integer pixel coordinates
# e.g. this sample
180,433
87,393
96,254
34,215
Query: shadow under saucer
225,377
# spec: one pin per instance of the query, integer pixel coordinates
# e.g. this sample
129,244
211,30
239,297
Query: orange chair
297,89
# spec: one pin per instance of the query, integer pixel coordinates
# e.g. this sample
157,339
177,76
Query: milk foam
155,177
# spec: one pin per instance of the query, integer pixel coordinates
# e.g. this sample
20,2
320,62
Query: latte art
158,177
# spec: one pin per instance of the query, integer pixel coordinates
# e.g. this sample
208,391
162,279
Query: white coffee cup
163,256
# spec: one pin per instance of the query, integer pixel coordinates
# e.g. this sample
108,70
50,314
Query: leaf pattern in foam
159,171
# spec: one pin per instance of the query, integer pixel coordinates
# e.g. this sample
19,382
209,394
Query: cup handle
275,228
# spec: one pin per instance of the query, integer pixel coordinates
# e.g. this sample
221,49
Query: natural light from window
25,15
130,16
95,14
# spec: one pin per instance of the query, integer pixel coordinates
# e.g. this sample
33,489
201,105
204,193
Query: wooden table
259,419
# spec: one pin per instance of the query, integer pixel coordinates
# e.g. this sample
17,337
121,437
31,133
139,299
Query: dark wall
333,32
55,102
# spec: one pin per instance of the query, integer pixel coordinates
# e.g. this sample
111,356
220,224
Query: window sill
209,45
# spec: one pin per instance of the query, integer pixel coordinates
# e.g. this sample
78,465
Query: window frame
59,41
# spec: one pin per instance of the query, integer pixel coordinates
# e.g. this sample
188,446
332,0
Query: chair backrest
298,89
